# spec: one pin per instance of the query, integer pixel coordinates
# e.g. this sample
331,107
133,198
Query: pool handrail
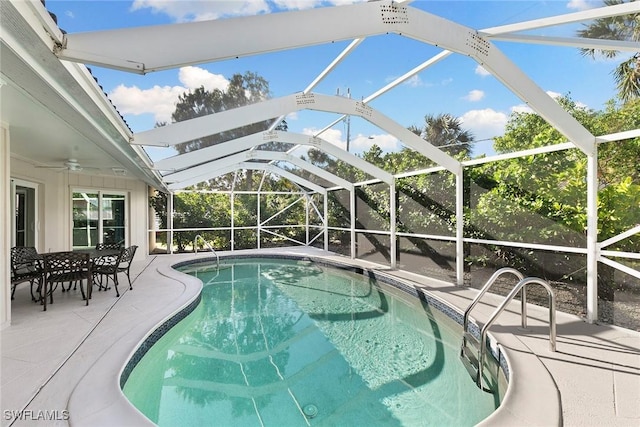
485,288
552,319
207,244
477,365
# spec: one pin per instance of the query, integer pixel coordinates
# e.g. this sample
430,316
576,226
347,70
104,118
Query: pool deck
65,363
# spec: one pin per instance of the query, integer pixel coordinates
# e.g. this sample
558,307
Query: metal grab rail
552,319
195,248
486,287
520,286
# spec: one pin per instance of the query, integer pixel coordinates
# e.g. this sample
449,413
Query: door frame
32,207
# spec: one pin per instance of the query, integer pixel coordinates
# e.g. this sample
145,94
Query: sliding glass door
98,217
24,206
113,218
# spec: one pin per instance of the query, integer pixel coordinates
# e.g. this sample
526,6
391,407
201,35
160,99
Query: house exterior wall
54,224
54,204
138,205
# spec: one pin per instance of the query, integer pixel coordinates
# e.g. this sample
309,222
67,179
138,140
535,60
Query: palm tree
626,27
445,131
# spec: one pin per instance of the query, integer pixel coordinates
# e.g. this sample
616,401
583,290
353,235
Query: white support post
460,227
151,223
306,225
392,224
258,217
326,222
592,236
7,218
352,222
170,223
232,200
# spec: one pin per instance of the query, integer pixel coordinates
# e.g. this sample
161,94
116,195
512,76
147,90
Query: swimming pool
288,343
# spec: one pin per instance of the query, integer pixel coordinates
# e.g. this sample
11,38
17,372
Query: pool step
469,354
469,338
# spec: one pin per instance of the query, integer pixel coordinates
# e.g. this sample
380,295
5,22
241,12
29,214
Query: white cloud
297,4
474,95
197,10
194,77
344,2
184,11
553,94
556,95
69,14
161,100
333,136
357,143
158,100
414,81
580,4
488,123
481,71
524,108
484,123
521,108
386,142
292,116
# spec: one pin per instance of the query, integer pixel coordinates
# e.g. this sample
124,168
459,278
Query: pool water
292,343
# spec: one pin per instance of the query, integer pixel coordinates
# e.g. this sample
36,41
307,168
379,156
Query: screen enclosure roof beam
254,35
213,173
247,156
575,42
507,33
421,27
567,18
200,127
161,47
183,161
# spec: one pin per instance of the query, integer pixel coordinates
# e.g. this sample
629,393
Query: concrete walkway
64,364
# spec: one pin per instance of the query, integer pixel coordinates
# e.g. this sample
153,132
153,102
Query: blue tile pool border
157,333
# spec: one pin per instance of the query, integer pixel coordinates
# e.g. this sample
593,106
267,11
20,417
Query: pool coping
98,399
113,407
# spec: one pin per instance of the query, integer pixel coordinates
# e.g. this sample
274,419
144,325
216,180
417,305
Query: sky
456,85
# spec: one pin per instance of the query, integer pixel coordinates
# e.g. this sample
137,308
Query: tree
445,131
542,198
625,27
242,90
195,211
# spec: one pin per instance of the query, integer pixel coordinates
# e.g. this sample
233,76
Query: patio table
70,266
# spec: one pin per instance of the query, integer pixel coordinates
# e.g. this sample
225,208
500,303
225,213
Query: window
98,217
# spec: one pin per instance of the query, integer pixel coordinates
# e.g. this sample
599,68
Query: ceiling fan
70,165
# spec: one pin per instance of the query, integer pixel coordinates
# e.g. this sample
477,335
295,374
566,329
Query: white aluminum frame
156,48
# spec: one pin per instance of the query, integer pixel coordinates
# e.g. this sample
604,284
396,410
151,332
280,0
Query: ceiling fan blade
51,167
71,165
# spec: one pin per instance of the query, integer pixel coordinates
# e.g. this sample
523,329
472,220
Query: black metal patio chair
125,264
26,266
105,268
109,246
60,267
